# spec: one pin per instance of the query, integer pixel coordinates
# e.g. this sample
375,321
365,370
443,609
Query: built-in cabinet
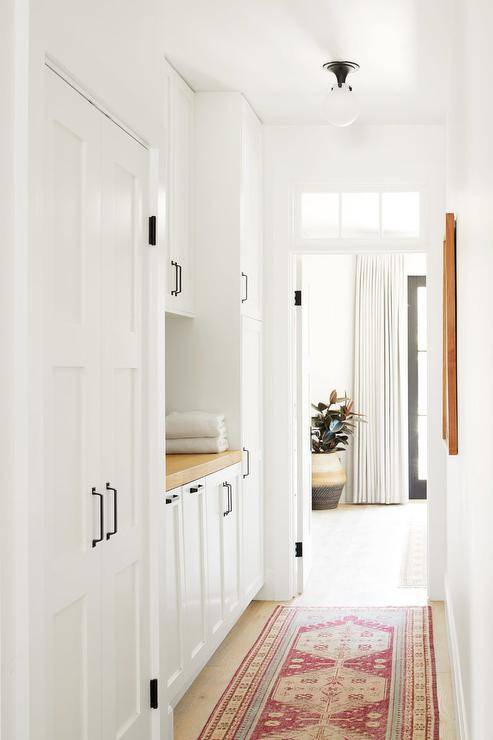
180,195
214,536
203,530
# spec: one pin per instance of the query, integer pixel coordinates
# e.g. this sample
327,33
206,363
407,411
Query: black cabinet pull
230,498
101,516
175,265
115,511
180,278
195,489
243,274
171,499
248,462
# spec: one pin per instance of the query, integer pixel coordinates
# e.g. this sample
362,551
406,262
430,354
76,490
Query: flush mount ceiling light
342,103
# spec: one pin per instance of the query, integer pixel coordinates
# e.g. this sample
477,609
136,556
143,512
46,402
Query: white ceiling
273,51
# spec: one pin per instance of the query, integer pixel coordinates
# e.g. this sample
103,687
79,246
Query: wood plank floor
358,561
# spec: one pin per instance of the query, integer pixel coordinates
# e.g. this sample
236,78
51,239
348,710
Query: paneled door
125,555
97,613
251,424
72,434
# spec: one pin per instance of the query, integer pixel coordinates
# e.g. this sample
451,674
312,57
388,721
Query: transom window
359,215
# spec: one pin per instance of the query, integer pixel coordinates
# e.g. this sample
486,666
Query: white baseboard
460,708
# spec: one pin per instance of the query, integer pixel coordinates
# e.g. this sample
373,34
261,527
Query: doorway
417,359
364,551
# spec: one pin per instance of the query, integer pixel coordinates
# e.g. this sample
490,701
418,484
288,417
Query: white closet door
71,444
251,215
252,561
125,586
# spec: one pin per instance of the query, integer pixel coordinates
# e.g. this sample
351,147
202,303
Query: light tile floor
358,555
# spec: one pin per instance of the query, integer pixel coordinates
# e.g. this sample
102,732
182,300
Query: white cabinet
194,554
201,533
251,214
97,568
251,422
180,202
173,590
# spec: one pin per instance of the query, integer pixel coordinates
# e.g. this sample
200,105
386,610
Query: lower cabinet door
252,560
194,558
231,560
172,605
223,543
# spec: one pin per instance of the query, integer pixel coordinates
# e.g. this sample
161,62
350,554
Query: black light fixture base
341,70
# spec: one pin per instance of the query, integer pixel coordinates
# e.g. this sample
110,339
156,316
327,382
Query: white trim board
458,689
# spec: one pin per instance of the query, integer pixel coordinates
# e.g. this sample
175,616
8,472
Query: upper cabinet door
181,134
71,441
251,428
251,215
125,553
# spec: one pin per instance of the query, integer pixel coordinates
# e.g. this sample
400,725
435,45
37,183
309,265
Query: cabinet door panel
232,549
195,569
251,214
252,560
180,282
172,606
126,562
216,505
71,442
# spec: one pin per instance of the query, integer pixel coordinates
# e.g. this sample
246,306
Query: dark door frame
417,487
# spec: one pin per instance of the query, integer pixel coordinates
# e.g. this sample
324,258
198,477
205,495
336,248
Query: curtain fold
380,380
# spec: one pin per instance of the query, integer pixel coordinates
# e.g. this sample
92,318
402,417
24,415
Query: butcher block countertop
183,469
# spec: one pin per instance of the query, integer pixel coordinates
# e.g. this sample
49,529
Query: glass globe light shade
343,107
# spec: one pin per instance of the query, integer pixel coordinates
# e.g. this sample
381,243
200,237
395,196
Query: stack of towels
195,432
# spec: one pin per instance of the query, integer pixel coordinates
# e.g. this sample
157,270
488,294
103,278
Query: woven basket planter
328,480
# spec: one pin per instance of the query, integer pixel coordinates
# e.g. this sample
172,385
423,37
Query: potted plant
332,427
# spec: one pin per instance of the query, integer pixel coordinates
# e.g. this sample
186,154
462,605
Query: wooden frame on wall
449,370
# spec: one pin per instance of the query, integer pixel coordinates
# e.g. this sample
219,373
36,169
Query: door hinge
298,550
297,297
152,231
153,693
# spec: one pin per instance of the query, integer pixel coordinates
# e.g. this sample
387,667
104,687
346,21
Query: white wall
330,279
359,155
469,474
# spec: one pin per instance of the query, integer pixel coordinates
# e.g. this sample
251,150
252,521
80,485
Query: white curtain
380,380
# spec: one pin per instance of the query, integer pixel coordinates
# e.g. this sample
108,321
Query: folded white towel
197,445
190,424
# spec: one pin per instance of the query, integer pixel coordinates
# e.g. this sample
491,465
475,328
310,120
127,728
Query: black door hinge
153,693
297,297
298,550
152,230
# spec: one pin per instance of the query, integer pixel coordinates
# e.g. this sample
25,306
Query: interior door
71,444
303,424
125,583
252,554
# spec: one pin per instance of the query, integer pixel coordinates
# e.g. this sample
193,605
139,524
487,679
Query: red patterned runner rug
343,674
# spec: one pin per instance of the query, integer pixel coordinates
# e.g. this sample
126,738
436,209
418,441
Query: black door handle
230,498
101,516
180,278
115,511
175,265
243,274
248,462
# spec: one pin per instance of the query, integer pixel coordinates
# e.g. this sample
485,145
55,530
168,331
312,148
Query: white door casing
303,424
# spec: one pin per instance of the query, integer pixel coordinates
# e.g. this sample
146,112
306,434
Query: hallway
360,561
